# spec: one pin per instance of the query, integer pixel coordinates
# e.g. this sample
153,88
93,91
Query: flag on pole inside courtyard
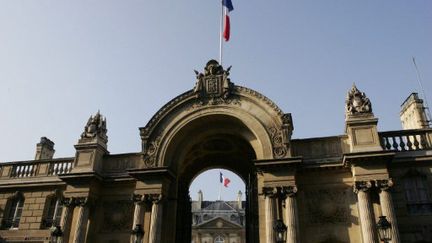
228,7
225,181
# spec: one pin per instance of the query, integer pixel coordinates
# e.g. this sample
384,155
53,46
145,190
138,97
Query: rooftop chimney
44,149
413,115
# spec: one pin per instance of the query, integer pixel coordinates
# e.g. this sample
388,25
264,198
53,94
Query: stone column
270,194
68,205
291,215
83,213
155,218
138,218
387,208
367,221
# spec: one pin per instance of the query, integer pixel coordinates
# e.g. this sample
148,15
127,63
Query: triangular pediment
219,206
219,223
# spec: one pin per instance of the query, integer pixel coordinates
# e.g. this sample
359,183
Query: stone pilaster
155,218
367,221
291,214
83,213
387,208
270,193
68,205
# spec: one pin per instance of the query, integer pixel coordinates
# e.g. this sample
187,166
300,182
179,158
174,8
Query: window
219,239
53,211
13,211
416,194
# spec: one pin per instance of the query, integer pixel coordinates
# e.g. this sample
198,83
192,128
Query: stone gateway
326,189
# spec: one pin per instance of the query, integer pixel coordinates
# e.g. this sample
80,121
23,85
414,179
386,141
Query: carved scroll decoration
151,152
279,147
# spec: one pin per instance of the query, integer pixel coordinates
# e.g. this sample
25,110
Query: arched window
53,211
219,239
13,211
417,193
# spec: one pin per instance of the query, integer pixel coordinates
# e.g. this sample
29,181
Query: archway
212,141
217,124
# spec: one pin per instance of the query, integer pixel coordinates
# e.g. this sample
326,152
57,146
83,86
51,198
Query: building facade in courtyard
218,221
325,189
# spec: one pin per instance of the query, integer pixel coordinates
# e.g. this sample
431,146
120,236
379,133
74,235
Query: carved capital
137,198
384,185
288,191
154,198
363,186
68,202
269,192
81,201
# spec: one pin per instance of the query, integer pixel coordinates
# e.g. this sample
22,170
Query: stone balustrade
26,169
406,140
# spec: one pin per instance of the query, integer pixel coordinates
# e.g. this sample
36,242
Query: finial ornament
96,126
357,102
214,82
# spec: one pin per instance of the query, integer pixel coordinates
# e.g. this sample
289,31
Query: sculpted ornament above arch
215,94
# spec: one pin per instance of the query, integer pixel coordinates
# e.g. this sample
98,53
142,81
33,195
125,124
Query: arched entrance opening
218,207
212,141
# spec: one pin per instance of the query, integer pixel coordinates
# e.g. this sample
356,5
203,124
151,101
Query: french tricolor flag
227,7
224,180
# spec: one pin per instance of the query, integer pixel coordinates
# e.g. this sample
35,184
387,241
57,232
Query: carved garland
215,101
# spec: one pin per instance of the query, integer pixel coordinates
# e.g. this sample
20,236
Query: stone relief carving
96,126
232,100
214,82
328,206
117,216
357,102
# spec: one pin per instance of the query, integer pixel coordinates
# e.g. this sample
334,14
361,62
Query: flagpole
220,36
220,192
220,185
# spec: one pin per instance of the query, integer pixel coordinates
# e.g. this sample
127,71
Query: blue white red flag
224,180
228,7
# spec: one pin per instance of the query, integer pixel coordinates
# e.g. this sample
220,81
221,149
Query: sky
62,61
